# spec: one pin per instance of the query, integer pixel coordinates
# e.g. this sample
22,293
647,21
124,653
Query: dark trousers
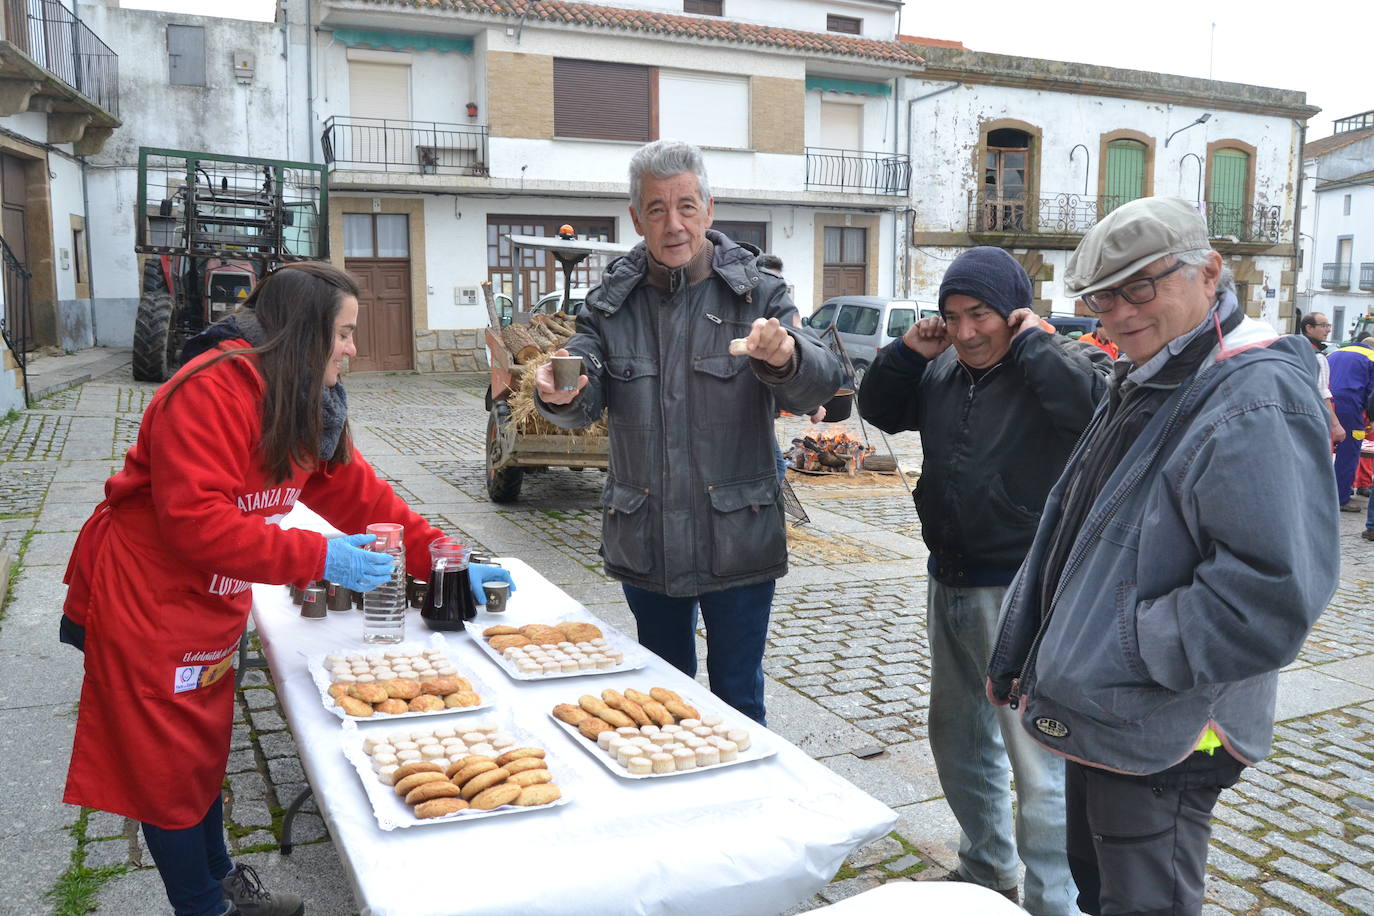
1350,413
1137,845
736,632
192,862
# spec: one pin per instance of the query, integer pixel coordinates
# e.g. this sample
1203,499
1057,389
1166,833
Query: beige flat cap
1130,237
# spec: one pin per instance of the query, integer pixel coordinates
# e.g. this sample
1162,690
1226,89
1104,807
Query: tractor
211,227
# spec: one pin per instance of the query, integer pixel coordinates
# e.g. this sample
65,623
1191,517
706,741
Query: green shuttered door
1226,205
1125,173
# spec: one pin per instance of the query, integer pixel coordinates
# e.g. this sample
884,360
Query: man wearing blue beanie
999,404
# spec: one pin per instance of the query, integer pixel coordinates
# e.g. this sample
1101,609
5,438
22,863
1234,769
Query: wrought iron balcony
55,39
415,147
1260,223
1058,214
857,172
1336,276
1367,275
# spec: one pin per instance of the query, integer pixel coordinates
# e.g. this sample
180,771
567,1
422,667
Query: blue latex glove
479,573
346,563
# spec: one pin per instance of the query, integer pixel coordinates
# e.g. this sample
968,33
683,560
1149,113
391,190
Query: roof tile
654,22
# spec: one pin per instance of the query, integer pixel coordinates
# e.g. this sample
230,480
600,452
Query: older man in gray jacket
1180,562
692,506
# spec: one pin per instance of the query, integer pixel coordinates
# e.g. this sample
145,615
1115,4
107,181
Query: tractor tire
503,486
154,356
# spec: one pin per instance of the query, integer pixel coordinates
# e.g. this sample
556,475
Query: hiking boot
1353,506
1362,491
1010,893
244,890
1367,535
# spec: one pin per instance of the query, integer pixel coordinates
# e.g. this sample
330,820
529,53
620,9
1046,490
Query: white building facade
1338,227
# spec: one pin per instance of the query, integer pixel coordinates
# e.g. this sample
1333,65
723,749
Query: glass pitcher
450,600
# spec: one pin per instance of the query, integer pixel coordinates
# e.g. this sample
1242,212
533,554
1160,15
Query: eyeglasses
1136,292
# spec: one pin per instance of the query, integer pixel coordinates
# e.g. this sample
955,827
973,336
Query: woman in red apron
159,578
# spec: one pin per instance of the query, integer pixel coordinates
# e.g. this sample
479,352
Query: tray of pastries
639,735
396,682
460,772
565,648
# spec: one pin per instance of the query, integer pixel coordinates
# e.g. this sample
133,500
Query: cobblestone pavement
847,660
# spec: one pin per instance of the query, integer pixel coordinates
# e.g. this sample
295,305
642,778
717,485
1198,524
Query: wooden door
377,254
845,265
13,215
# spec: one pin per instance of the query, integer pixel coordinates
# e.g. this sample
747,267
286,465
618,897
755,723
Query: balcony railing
1367,275
1260,223
1075,214
856,171
417,147
1336,276
62,44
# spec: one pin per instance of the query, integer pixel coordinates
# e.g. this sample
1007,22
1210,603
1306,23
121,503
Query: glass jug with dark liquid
450,600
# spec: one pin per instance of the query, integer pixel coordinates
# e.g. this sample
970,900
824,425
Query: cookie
489,632
459,700
538,795
665,696
542,635
483,781
521,764
338,690
424,792
681,710
354,707
640,698
438,807
418,766
577,631
519,752
393,707
658,712
496,796
403,786
507,641
426,703
440,686
530,778
573,715
592,727
462,775
401,688
368,693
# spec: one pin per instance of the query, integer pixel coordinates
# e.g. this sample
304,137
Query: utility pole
1211,50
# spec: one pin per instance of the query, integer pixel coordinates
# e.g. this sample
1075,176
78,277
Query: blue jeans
780,461
191,862
971,740
736,633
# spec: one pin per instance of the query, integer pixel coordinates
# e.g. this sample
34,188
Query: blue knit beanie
989,275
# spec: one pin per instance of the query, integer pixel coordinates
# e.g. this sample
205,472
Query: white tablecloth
750,839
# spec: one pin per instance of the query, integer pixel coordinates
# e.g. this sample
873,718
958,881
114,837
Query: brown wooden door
845,268
385,336
13,216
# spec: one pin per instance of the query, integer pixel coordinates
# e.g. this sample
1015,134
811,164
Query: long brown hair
296,306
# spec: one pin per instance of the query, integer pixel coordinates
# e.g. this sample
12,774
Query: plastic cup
566,370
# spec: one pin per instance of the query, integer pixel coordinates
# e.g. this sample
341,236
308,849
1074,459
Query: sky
1316,46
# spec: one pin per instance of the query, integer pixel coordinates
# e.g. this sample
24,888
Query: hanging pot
839,406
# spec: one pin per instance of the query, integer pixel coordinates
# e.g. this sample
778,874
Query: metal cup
566,370
338,597
312,604
417,590
497,593
296,593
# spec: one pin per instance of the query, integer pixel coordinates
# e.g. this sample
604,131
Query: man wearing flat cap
999,404
1180,561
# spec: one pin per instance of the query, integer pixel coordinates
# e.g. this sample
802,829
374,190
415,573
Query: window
540,273
847,24
844,245
79,254
376,235
755,234
823,317
186,55
1005,166
857,319
899,321
1125,178
704,7
1346,205
704,108
604,101
1226,204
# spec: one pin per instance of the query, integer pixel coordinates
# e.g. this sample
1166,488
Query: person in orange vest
1099,338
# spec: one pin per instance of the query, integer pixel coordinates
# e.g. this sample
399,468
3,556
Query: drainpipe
1297,223
86,241
310,79
899,245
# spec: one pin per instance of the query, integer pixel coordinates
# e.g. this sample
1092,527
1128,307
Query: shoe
1362,491
1010,893
1352,506
244,890
1367,535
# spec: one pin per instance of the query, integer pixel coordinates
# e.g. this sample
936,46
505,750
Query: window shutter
603,101
1125,174
1226,205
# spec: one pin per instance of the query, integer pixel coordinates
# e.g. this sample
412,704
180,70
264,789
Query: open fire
837,453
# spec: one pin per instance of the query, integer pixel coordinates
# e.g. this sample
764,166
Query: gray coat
692,502
1211,551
